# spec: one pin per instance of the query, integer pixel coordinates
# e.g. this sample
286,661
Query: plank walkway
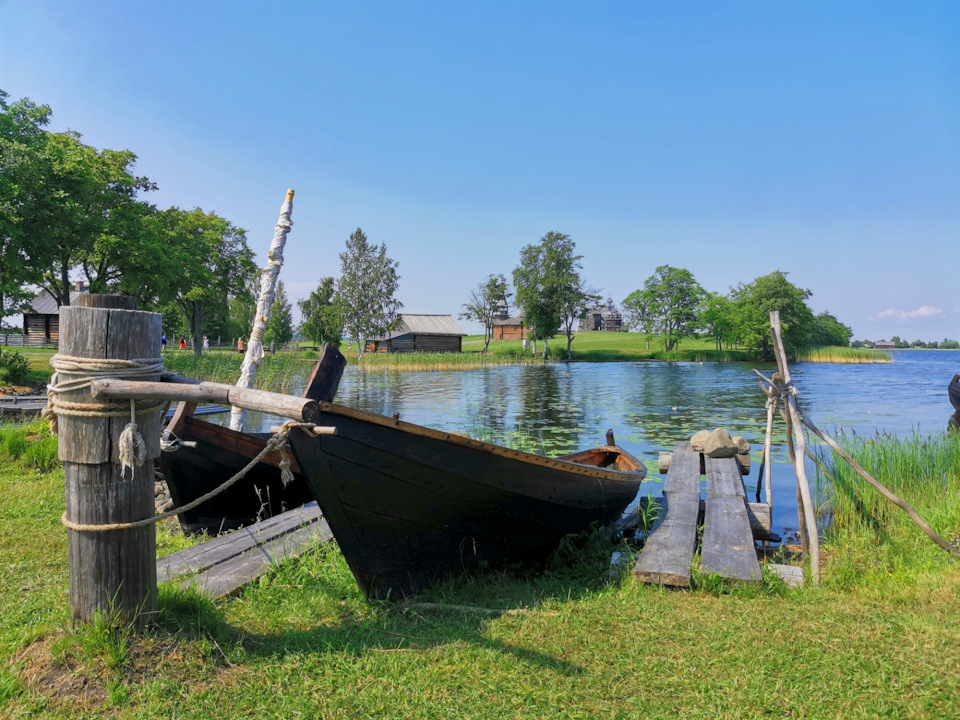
727,545
223,565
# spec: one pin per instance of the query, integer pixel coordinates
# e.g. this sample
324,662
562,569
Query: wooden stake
792,416
115,571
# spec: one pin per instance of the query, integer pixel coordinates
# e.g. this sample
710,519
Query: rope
277,442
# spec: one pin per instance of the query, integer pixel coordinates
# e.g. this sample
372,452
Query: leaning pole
268,289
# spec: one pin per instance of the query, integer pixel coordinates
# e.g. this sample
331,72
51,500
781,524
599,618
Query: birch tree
366,290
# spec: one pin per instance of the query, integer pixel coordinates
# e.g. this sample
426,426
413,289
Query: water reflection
650,406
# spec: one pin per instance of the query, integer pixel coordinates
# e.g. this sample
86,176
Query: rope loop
277,442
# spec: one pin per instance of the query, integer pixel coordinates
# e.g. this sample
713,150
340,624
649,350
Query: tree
756,300
566,289
550,290
320,316
717,318
483,305
636,315
827,330
212,260
365,292
280,324
670,304
21,257
83,212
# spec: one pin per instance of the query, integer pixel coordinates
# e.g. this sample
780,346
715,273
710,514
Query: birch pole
268,289
807,513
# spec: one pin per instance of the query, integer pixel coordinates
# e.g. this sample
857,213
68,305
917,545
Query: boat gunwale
518,455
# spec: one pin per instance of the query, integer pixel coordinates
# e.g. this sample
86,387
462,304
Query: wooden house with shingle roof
41,324
420,333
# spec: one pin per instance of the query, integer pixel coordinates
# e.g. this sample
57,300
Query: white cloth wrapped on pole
268,289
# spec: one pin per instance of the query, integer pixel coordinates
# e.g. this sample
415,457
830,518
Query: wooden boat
409,505
953,391
217,453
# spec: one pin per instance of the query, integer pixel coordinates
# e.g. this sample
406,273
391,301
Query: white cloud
924,311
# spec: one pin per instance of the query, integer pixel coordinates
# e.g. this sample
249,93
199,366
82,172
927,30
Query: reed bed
418,361
839,354
878,536
283,372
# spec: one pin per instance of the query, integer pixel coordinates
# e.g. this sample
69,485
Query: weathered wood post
111,571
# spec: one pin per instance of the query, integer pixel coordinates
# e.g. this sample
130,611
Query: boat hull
953,391
409,505
219,454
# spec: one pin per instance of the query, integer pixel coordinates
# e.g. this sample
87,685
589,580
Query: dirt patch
61,679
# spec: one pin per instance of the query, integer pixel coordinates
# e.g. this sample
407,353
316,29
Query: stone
719,444
743,447
698,439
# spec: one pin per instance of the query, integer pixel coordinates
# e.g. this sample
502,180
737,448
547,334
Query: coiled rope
277,442
74,374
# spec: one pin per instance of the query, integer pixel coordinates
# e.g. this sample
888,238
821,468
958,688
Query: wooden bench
224,564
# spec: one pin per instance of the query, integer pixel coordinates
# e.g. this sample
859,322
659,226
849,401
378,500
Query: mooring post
111,571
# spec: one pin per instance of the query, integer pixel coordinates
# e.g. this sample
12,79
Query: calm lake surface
652,405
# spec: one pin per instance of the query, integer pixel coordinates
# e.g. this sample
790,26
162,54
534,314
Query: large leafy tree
213,262
550,289
566,288
669,304
366,290
827,330
636,315
483,305
717,318
753,303
85,213
280,324
320,315
22,258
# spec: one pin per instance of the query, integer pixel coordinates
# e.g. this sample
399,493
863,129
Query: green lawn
880,637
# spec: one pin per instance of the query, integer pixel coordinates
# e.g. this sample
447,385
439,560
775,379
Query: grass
878,639
848,355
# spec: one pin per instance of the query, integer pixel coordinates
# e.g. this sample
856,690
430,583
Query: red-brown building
506,327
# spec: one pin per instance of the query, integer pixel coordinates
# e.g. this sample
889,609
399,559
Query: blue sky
731,139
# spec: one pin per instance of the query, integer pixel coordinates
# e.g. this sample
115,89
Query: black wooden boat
217,453
409,505
953,390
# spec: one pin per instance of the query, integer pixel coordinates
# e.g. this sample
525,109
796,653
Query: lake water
652,405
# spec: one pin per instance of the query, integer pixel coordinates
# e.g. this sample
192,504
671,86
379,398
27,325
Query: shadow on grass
318,592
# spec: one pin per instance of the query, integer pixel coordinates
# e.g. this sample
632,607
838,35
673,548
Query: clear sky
729,138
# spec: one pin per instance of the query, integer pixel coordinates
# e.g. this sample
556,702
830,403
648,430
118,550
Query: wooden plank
668,552
204,556
325,378
759,516
727,546
231,575
743,460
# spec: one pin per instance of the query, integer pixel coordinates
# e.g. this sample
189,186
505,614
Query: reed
281,372
417,361
840,354
879,537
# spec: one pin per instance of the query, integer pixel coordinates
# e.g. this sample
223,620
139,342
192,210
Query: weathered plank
666,556
204,556
727,545
231,575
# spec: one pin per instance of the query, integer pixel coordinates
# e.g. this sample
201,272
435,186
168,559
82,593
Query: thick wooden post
115,570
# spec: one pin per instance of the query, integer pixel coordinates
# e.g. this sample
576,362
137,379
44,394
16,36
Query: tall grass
282,372
31,443
879,537
448,361
840,354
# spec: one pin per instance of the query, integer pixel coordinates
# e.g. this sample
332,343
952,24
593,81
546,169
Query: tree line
552,295
69,210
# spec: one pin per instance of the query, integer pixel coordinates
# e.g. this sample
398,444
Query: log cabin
420,333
